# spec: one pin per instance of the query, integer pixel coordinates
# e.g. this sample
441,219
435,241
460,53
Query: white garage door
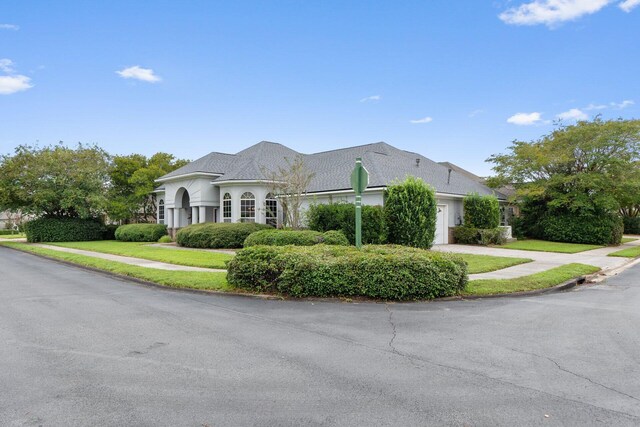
442,228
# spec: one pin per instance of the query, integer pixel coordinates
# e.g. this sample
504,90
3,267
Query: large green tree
131,185
589,166
55,181
572,183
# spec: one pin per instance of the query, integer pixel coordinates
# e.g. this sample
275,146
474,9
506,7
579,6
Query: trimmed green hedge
295,237
385,272
221,235
141,232
410,213
63,230
342,216
6,232
478,236
590,229
109,232
631,224
481,211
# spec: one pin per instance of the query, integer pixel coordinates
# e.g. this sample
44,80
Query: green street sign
359,181
359,177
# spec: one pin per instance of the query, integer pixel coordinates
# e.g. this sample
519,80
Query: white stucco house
223,187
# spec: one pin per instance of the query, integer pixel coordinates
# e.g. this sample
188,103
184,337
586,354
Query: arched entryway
183,208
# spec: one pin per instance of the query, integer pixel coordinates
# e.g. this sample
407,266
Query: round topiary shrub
295,237
165,239
63,230
221,235
410,213
141,232
384,272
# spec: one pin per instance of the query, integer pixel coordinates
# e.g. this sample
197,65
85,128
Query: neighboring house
507,211
231,187
8,220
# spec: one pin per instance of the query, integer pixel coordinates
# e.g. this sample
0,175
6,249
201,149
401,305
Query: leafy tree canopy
132,181
54,181
590,167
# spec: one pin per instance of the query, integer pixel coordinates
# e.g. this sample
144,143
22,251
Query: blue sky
455,80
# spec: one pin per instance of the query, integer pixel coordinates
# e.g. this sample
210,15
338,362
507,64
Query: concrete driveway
79,348
541,260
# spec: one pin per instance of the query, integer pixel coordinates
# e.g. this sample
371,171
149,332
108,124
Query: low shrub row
63,230
140,232
295,237
631,224
384,272
590,229
341,216
5,232
478,236
221,235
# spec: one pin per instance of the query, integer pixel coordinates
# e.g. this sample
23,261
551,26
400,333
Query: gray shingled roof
332,169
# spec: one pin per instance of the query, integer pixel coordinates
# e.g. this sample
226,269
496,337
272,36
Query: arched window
161,211
247,207
226,207
271,210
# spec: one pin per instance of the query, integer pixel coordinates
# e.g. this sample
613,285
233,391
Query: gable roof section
332,169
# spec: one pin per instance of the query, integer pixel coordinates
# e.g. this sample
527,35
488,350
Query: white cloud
13,84
423,120
595,107
552,12
9,27
371,98
627,5
622,105
476,112
573,114
6,65
525,119
139,73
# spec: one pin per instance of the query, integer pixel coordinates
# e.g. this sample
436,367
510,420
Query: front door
441,236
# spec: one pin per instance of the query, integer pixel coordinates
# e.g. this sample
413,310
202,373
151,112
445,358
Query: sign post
359,181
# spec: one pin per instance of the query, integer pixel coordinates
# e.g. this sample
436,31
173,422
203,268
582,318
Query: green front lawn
192,258
176,279
628,239
486,263
627,253
545,279
545,246
13,236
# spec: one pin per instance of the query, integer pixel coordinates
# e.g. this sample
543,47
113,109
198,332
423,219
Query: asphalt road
80,348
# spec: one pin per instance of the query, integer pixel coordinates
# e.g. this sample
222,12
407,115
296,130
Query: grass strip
13,236
627,253
191,258
546,246
544,279
175,279
628,239
486,263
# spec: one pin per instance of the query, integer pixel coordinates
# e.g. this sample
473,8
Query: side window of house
161,211
247,207
226,207
271,210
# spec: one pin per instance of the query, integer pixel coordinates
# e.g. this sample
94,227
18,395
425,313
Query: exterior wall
201,192
236,191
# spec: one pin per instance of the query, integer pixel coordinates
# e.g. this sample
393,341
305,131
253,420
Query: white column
194,214
176,217
203,214
169,219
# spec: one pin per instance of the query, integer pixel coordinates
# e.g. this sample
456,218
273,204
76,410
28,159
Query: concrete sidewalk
139,262
542,261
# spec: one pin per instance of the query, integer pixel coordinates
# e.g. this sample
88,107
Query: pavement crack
584,377
394,331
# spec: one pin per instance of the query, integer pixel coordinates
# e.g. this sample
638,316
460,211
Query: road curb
126,278
569,284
